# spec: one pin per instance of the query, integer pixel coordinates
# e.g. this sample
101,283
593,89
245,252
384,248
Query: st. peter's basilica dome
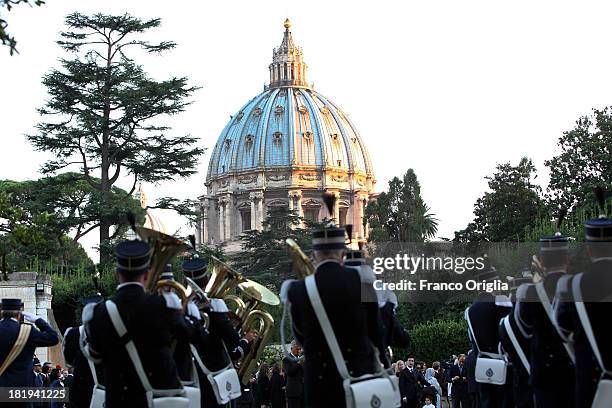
285,147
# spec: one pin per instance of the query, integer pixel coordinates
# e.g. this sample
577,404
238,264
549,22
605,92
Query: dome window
279,110
302,109
277,136
324,110
308,136
239,117
334,137
249,141
257,112
339,163
227,144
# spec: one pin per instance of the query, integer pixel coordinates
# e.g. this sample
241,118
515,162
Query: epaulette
88,312
218,306
172,301
193,311
284,290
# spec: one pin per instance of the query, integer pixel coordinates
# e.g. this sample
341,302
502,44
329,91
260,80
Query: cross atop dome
288,67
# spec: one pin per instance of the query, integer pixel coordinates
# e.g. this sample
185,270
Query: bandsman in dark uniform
590,290
483,318
517,349
152,323
81,390
223,340
18,341
552,369
356,324
394,335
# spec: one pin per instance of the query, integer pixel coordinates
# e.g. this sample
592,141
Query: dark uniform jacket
356,325
19,373
596,285
81,388
548,354
294,373
152,325
212,348
523,394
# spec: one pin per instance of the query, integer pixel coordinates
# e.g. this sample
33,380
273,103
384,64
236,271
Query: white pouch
491,368
379,390
225,382
490,371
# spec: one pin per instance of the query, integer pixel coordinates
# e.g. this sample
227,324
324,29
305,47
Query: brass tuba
249,304
164,247
302,265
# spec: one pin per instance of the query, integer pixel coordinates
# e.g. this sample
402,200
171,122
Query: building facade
285,147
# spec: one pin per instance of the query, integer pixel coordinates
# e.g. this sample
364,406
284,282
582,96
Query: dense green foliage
436,340
584,161
104,114
400,214
512,205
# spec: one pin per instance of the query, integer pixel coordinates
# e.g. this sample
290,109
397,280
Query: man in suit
18,341
593,288
459,378
356,324
411,383
38,378
152,323
293,365
222,335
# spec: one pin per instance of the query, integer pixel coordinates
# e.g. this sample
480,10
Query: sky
448,88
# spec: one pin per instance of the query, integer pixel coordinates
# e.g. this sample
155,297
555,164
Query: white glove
29,317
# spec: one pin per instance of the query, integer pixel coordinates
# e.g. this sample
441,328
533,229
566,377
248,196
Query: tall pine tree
104,113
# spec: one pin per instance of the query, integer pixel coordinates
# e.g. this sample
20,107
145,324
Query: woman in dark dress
277,387
262,391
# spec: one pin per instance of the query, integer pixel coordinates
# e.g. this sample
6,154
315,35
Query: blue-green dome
289,127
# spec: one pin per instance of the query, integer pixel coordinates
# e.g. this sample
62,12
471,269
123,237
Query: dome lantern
288,67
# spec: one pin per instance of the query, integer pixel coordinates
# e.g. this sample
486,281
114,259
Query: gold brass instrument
302,265
164,247
538,269
249,305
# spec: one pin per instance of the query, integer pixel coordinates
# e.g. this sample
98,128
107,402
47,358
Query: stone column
228,215
336,214
259,196
222,204
252,198
295,202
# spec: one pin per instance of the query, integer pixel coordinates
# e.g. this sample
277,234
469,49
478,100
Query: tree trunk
105,163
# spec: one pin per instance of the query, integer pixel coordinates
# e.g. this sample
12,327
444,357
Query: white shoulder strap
545,301
584,320
130,347
330,337
516,344
498,356
92,367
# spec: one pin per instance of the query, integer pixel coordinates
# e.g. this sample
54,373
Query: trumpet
302,265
